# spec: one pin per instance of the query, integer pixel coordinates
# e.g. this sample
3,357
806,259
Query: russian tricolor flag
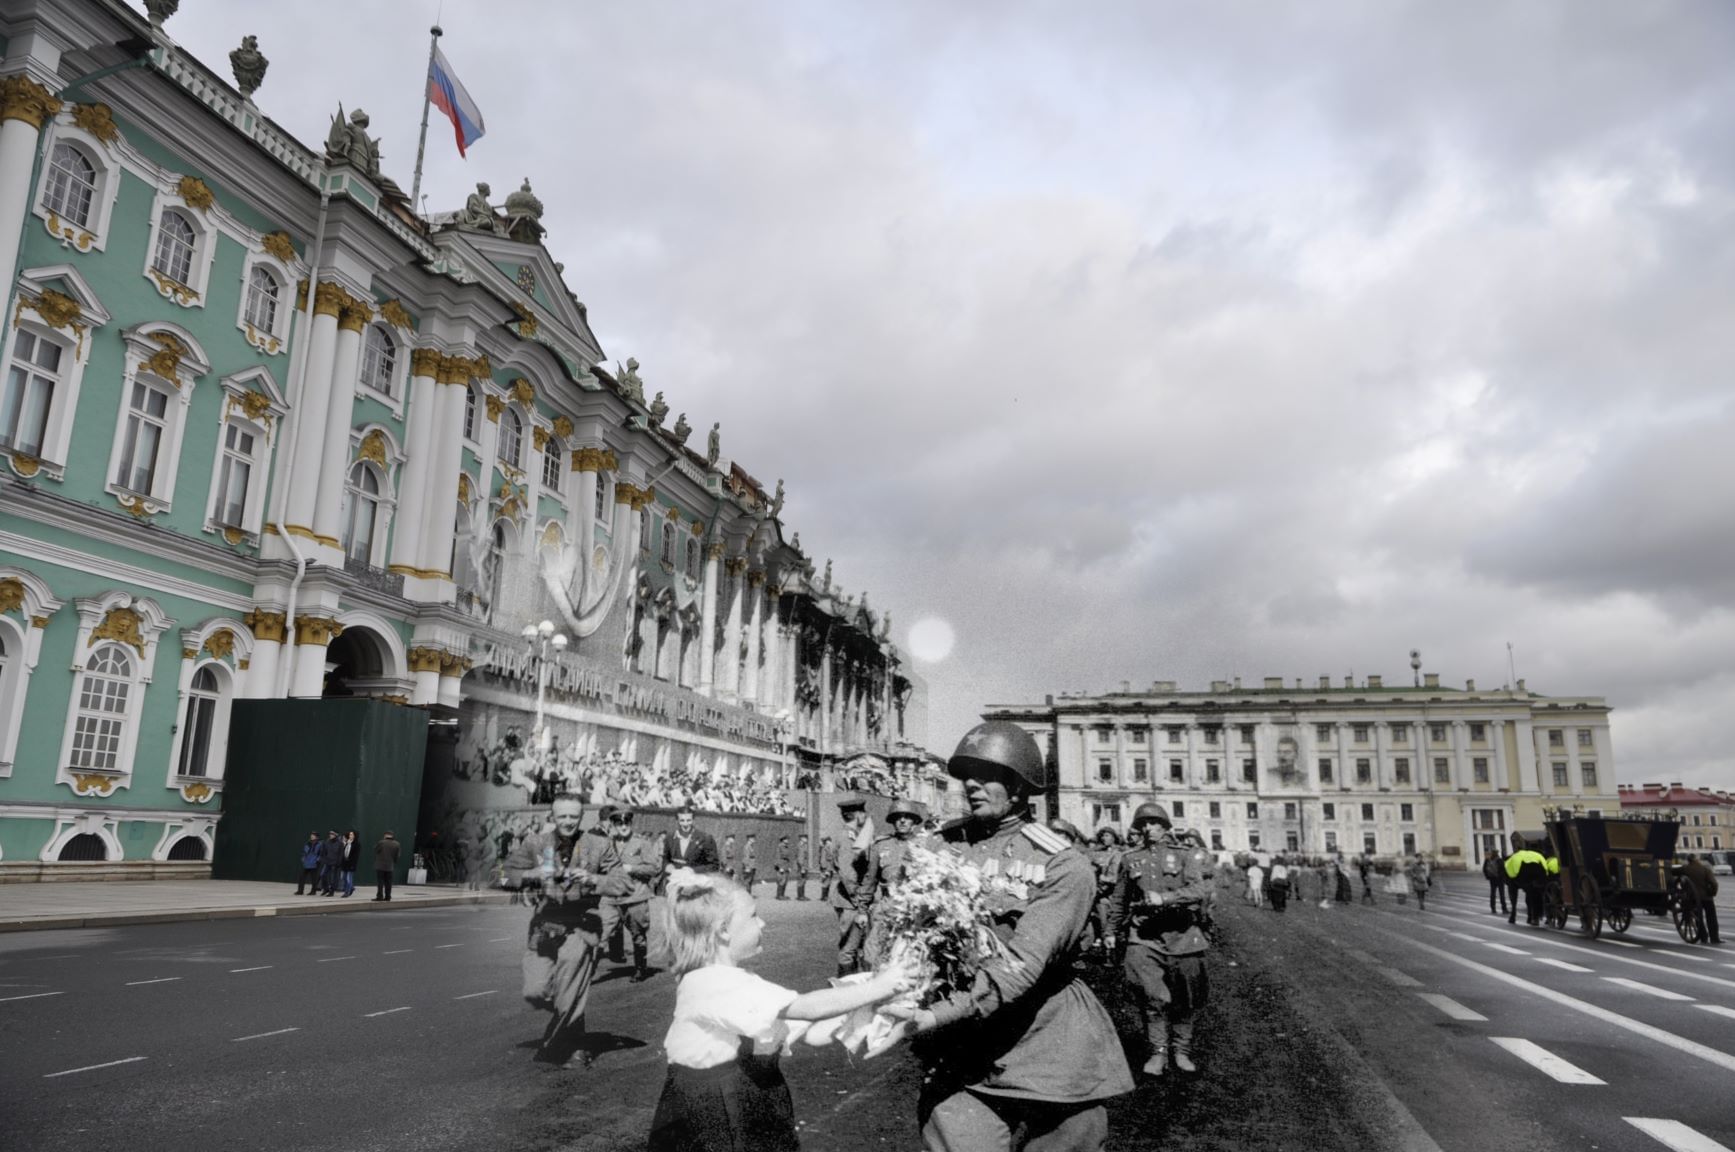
448,96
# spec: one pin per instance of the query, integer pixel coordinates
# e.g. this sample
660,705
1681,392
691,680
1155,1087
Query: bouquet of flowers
936,924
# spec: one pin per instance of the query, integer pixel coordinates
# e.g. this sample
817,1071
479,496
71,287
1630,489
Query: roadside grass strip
1451,1007
1680,1044
94,1067
1647,989
1675,1135
1545,1061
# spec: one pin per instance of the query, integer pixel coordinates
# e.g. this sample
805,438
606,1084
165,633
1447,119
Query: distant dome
524,203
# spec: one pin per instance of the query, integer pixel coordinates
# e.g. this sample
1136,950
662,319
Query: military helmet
1000,746
905,808
1151,811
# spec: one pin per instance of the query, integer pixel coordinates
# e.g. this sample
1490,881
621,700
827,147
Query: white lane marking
334,959
1668,1039
502,939
32,996
1402,980
260,968
1675,1135
448,945
1545,1061
1677,954
262,1035
1470,938
387,1012
1547,938
1357,954
1718,1009
94,1067
1648,989
158,980
1570,967
473,995
397,951
1507,948
1450,1006
1622,943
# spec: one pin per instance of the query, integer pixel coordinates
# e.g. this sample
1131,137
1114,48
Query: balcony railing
378,579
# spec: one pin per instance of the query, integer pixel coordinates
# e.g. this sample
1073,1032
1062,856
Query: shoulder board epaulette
884,840
1049,842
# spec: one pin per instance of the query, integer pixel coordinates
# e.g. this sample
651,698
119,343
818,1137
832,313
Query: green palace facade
266,433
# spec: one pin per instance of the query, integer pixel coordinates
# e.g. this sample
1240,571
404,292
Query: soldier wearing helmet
886,865
1156,914
1028,1046
853,893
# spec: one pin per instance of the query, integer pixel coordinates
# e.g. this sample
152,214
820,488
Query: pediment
525,274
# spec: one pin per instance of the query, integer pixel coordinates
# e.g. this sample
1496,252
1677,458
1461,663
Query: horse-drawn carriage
1610,868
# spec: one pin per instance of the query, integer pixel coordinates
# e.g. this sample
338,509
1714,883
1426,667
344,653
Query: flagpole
422,142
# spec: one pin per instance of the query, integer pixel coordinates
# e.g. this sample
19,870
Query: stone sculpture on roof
796,542
777,500
682,428
825,584
478,215
249,65
714,445
350,144
659,411
629,380
524,215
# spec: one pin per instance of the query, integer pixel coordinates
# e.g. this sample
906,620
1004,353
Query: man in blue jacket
310,854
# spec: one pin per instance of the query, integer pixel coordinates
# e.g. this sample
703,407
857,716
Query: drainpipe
286,656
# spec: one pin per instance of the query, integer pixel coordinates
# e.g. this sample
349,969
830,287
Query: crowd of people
329,866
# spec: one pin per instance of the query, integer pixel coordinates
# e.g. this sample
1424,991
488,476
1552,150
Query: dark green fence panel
297,766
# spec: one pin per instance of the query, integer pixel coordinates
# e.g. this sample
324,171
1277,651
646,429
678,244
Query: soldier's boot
1157,1031
1184,1048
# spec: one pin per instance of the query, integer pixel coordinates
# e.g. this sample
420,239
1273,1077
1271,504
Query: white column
425,665
729,660
441,515
260,681
422,445
1382,752
1460,755
755,621
581,512
25,106
825,698
452,671
310,412
771,683
708,628
312,635
339,419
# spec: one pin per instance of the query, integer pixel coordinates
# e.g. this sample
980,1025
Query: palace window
1479,769
470,406
147,418
1330,840
1409,843
1216,810
1407,813
379,359
361,513
1105,771
1359,732
1364,771
693,548
1325,771
552,461
1587,773
1211,736
1368,843
1289,809
31,381
1442,770
1249,771
99,726
1400,733
1213,774
1401,769
669,543
511,439
177,245
1253,810
1174,735
1139,734
1584,738
1556,738
1253,840
601,497
234,475
1177,771
1479,733
1437,733
1141,770
645,529
1216,839
71,186
1104,733
1560,779
203,696
1246,733
1328,811
1367,812
1178,810
262,298
1322,733
1292,841
1105,814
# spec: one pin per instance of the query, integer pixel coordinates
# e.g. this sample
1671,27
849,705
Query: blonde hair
697,918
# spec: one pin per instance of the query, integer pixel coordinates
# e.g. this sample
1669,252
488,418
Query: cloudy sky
1155,341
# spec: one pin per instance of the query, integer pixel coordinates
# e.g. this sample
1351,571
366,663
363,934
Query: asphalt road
1345,1028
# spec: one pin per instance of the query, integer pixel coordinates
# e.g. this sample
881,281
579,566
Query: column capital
451,665
426,659
329,299
735,565
496,405
714,551
756,577
355,315
316,630
425,362
592,459
22,98
266,624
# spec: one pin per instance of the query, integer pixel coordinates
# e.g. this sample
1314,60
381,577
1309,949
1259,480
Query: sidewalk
24,907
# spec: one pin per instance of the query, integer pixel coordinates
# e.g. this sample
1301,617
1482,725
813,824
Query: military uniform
626,896
851,897
885,867
1156,913
1028,1044
802,869
562,950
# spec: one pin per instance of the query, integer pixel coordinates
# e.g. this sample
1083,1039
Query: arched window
496,562
262,292
551,465
361,511
29,392
511,438
71,185
102,710
645,529
379,359
147,419
176,243
86,846
669,543
601,493
188,847
202,697
470,412
692,558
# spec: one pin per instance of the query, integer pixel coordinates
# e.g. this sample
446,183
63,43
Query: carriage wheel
1589,908
1553,905
1620,919
1683,905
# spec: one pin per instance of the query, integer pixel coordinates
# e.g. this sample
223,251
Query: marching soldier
1156,914
803,866
854,892
886,865
827,866
626,889
1027,1049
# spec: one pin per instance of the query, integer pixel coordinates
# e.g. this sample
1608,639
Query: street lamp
539,638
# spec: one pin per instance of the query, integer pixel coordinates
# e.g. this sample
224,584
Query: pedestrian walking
1279,884
385,864
725,1090
351,861
731,859
1420,881
784,864
1365,866
854,892
1702,882
1156,912
1025,1057
1493,871
803,865
750,862
330,863
1255,882
310,853
626,889
561,871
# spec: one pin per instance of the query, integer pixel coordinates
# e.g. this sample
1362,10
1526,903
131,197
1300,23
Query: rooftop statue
886,626
524,215
160,10
714,447
350,144
249,65
777,500
477,214
629,380
825,583
796,542
659,411
682,428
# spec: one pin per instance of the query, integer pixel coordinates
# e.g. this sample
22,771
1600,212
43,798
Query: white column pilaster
440,518
754,612
25,107
312,635
708,628
422,446
339,419
729,660
310,412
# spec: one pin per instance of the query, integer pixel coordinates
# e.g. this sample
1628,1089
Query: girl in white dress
725,1091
